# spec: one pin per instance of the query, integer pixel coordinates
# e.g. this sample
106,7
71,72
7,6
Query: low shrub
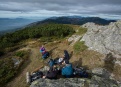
7,70
22,54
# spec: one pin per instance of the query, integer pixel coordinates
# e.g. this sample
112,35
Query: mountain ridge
76,20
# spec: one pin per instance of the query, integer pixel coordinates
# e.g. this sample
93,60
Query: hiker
66,55
42,49
67,70
45,54
52,73
51,62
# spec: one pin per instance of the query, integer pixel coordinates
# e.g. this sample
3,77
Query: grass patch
117,72
79,46
81,30
23,54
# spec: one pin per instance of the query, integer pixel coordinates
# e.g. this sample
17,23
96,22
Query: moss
79,46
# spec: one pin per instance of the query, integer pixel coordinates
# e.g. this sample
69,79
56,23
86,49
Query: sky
49,8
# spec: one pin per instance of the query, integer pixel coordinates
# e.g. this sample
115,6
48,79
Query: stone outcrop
95,81
100,78
103,39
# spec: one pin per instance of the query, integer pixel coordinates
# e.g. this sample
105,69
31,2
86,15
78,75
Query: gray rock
103,39
95,81
102,82
68,82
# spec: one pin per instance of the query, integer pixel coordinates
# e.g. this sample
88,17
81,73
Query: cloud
63,7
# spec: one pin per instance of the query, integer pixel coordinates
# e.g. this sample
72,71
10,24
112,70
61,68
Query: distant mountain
77,20
8,24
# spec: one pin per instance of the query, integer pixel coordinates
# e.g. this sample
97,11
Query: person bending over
67,70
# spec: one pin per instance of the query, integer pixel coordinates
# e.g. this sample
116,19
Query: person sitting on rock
66,55
52,73
51,63
67,70
42,49
45,54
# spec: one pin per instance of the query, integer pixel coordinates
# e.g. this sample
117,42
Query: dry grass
89,59
117,72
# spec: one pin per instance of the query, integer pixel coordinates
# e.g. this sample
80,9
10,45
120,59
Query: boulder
103,39
95,81
102,72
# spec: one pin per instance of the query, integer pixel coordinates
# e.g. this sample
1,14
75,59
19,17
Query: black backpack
36,76
80,72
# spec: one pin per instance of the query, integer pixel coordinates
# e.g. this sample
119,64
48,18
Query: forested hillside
45,30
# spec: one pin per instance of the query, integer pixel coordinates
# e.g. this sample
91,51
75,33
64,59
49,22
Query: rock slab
103,39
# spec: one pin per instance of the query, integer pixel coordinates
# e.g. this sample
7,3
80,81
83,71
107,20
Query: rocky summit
95,81
100,78
103,39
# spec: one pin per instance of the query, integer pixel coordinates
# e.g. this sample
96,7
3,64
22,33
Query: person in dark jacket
66,55
67,71
52,73
51,62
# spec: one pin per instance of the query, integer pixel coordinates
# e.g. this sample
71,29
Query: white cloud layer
47,8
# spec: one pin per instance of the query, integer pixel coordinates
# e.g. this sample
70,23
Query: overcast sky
47,8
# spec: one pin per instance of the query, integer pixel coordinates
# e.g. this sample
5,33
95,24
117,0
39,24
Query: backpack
36,75
81,72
